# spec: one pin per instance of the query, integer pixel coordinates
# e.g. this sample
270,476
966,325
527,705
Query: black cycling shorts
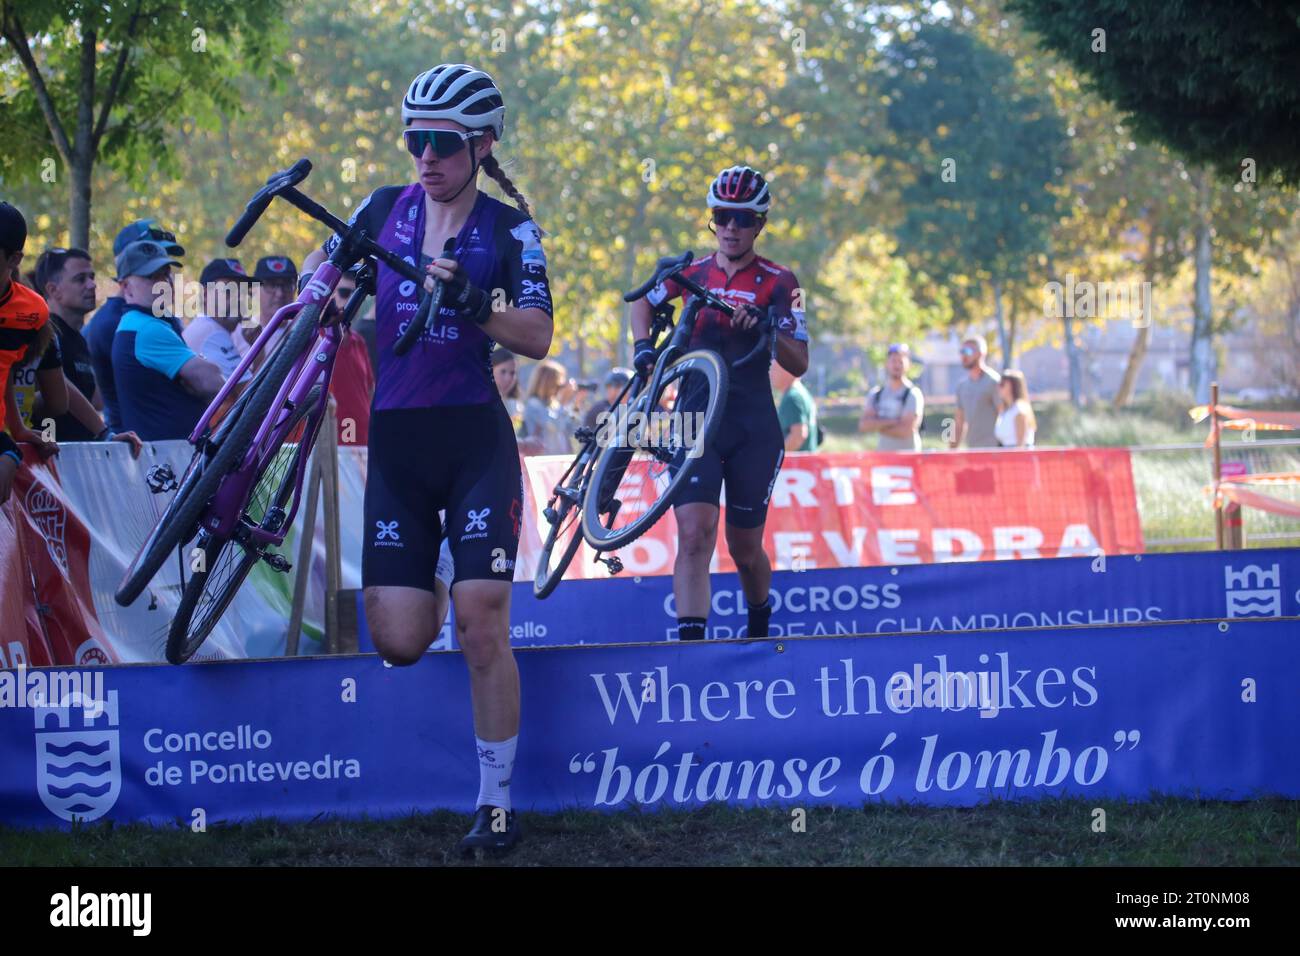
461,458
745,454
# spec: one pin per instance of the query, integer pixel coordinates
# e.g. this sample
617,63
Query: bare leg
697,535
752,564
483,630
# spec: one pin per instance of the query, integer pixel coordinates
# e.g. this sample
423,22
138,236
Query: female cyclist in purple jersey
440,437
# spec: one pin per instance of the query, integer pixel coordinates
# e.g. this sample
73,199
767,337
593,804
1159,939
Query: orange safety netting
1253,499
1237,419
1230,488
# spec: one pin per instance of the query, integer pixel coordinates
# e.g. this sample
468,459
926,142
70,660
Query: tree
105,81
1215,82
980,154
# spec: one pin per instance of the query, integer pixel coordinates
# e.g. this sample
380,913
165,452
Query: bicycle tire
594,533
547,578
179,520
183,640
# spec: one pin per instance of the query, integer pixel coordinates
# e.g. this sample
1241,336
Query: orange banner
856,509
45,574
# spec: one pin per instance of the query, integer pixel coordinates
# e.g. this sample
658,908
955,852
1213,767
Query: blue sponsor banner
942,719
983,595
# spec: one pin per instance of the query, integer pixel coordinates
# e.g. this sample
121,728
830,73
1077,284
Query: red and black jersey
762,284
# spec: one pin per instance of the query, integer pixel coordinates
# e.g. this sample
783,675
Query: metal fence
1176,508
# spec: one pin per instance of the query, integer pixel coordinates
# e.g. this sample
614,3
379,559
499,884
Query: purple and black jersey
499,249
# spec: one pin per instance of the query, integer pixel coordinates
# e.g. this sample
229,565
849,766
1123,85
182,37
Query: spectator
66,278
977,398
550,410
24,319
796,411
505,372
163,388
615,381
277,286
216,333
1016,422
896,407
37,378
103,327
353,382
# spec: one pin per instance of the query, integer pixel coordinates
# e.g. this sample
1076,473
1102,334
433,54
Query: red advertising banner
45,575
880,508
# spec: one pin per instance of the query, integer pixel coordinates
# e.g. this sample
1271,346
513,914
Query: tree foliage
108,81
1217,82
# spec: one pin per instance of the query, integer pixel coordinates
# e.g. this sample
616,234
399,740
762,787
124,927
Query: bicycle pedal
161,479
277,562
613,564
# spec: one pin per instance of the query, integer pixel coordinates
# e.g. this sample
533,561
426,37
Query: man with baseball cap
214,334
162,386
614,382
277,284
103,326
896,407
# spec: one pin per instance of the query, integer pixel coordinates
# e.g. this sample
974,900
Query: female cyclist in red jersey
748,448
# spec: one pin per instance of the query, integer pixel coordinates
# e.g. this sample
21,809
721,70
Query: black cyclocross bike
649,441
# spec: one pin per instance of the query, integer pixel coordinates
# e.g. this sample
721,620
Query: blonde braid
493,168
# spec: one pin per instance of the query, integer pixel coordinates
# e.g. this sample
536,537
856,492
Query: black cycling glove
467,299
643,356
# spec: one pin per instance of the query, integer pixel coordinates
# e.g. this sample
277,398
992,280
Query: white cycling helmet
456,91
740,187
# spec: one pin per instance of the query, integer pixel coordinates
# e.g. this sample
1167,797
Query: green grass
1164,832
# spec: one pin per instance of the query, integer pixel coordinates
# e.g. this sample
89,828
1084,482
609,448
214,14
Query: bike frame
316,364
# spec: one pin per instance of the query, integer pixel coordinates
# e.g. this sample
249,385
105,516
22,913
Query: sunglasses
444,142
155,232
743,218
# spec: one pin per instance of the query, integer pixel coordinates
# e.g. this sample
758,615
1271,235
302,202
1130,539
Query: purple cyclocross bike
240,493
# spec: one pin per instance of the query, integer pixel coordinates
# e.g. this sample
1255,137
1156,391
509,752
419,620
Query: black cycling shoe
483,835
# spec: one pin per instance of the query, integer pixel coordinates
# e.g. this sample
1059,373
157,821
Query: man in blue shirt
162,386
103,326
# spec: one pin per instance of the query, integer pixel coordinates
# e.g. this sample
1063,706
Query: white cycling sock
496,762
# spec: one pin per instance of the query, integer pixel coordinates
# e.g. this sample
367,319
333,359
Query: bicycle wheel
565,533
640,468
227,562
211,463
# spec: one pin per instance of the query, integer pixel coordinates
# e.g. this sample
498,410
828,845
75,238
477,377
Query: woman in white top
1016,424
551,410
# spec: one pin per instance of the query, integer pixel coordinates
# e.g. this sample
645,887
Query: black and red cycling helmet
740,187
